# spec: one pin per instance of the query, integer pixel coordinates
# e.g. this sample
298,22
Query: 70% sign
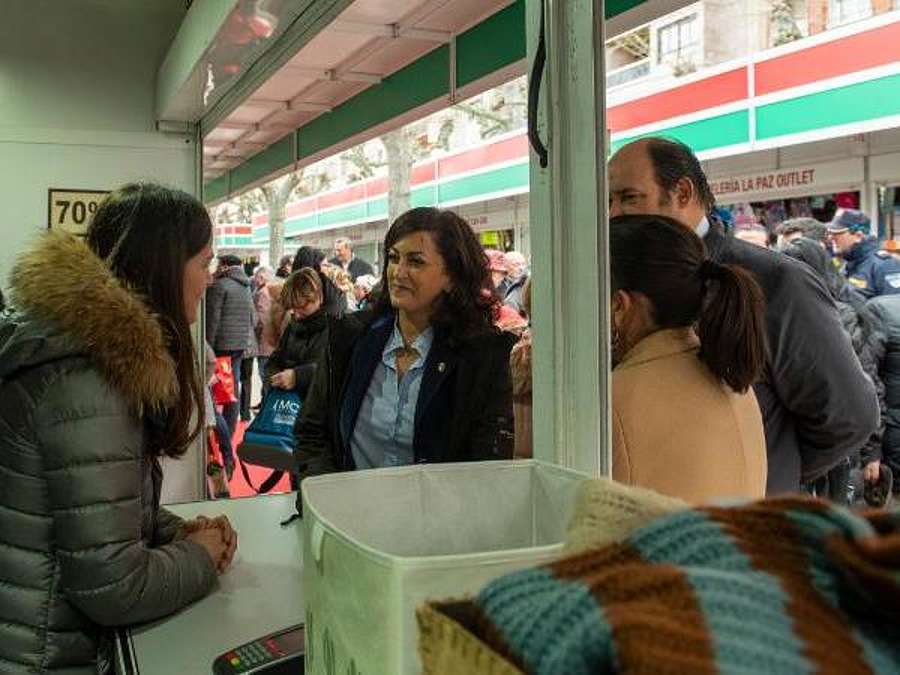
72,210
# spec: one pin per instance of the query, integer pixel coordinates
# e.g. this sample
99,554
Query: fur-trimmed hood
66,302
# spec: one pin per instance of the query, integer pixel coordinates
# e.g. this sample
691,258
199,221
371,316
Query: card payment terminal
279,652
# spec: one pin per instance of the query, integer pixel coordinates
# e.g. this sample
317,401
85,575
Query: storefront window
841,12
679,42
770,214
502,240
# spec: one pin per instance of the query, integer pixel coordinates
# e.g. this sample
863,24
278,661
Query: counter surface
260,593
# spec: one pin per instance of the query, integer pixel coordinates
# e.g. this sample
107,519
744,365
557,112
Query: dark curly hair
467,310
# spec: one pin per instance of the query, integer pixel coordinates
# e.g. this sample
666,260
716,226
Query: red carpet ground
238,486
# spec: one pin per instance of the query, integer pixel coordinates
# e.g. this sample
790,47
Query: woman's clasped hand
215,535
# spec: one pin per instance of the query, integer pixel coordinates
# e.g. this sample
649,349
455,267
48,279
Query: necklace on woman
407,342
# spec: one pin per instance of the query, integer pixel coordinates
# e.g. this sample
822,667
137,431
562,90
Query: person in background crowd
892,246
251,353
423,374
261,275
343,282
2,301
815,415
520,368
344,258
860,325
882,478
284,266
219,474
335,300
871,271
685,420
98,382
497,267
362,290
229,322
263,279
293,363
725,218
516,278
808,228
755,234
506,318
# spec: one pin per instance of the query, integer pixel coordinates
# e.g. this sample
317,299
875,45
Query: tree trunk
399,157
277,195
276,233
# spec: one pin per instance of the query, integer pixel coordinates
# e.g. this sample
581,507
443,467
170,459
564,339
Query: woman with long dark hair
421,376
688,341
98,382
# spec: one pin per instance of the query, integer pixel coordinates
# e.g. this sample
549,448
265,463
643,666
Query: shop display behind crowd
737,372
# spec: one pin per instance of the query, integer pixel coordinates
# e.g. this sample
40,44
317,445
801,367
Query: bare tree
398,147
365,165
504,110
500,110
275,197
783,22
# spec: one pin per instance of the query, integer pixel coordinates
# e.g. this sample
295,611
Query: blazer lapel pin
442,367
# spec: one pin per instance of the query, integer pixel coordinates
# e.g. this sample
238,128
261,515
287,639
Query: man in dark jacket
818,406
871,271
229,321
867,340
344,258
886,313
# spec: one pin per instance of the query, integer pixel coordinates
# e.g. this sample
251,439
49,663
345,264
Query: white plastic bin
379,543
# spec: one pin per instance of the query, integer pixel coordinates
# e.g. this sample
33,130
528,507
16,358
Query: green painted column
569,249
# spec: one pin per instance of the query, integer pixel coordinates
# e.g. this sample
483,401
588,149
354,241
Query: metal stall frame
568,196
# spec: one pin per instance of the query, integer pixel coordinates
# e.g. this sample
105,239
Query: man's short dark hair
808,227
230,260
672,161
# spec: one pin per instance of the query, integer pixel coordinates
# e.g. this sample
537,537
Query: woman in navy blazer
422,376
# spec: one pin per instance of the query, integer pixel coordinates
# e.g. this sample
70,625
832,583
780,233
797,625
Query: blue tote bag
269,440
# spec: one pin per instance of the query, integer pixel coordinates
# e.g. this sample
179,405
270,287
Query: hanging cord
534,94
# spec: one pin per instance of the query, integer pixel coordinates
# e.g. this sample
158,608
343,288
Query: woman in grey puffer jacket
96,384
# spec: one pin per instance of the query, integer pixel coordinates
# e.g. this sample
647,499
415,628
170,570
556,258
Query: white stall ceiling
370,40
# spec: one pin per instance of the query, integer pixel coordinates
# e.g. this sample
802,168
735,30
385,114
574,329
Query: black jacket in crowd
334,302
464,410
886,310
300,348
357,267
229,312
817,404
858,321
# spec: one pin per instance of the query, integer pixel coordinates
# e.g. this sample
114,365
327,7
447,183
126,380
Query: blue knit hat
849,220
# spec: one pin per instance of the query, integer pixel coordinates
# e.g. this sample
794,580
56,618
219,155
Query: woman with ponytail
688,341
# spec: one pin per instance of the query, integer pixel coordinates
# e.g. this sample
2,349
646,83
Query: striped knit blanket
789,586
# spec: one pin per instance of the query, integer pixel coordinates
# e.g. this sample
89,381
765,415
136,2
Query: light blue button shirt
383,435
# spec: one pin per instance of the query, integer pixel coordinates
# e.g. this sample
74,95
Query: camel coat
678,430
